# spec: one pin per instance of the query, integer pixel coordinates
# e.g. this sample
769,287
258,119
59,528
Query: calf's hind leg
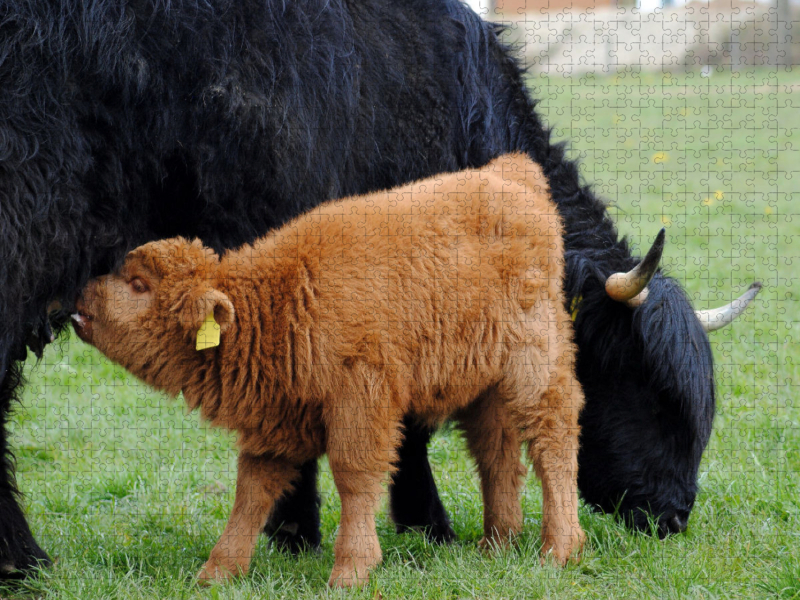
260,481
556,463
495,446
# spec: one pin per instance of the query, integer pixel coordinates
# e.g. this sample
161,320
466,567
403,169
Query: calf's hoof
214,572
347,577
563,548
352,572
497,541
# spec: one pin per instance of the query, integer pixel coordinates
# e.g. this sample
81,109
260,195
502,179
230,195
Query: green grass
130,493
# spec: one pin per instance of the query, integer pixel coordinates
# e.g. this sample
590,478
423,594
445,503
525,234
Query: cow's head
646,367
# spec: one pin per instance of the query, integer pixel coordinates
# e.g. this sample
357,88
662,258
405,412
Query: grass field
130,493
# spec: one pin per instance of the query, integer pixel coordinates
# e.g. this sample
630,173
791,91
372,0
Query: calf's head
146,316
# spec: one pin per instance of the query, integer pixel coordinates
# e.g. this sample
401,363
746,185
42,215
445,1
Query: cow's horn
631,287
711,320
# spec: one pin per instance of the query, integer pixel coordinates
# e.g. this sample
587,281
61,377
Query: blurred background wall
578,36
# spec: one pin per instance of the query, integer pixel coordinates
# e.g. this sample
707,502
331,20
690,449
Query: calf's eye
139,286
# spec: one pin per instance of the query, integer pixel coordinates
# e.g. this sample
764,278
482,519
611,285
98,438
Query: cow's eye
139,286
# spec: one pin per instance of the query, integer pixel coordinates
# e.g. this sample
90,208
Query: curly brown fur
439,299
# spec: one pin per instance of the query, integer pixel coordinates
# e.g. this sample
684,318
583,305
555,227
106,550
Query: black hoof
413,499
25,563
294,524
291,538
439,533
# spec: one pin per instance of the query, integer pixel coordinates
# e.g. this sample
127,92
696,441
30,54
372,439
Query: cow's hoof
24,564
292,538
437,533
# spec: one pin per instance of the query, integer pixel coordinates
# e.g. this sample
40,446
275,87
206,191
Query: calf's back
431,284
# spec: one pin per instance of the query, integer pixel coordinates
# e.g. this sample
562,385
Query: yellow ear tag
574,306
208,335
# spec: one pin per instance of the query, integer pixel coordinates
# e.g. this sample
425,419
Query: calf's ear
198,303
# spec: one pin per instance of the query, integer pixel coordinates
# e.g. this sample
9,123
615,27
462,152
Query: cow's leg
294,524
19,552
414,500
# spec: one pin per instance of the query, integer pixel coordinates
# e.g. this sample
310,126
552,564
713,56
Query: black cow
123,121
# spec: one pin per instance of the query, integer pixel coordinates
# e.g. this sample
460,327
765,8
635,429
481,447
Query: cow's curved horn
711,320
631,287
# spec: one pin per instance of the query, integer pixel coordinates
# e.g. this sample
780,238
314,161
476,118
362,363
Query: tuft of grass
130,493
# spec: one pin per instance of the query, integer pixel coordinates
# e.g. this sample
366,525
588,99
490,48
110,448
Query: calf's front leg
362,442
357,549
259,483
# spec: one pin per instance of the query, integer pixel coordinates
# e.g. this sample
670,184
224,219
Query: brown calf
440,299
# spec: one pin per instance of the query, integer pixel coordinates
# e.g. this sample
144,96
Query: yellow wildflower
660,157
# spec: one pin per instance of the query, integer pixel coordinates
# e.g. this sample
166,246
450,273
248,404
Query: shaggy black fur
122,121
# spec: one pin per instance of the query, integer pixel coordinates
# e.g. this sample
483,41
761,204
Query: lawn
131,493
